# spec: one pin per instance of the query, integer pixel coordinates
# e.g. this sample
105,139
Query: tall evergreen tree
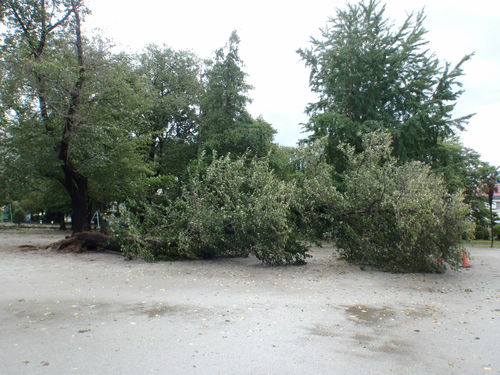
370,75
226,125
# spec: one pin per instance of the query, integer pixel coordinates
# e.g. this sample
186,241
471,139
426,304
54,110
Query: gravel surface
95,313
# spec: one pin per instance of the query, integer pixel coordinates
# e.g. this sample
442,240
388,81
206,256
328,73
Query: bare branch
64,18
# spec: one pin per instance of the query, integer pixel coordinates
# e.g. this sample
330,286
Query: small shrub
19,215
496,232
481,233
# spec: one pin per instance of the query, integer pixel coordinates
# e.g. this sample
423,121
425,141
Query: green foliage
481,233
19,214
175,92
399,217
318,196
94,126
390,216
283,160
103,130
224,102
176,157
253,137
460,167
371,76
226,125
230,208
496,232
110,148
463,171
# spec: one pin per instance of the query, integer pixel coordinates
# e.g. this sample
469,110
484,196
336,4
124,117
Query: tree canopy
164,142
175,91
226,125
72,110
370,75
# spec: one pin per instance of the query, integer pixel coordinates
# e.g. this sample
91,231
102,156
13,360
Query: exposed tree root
84,241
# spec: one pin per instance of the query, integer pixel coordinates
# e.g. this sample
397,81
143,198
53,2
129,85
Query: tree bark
75,183
77,187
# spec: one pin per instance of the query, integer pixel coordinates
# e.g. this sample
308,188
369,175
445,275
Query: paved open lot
96,313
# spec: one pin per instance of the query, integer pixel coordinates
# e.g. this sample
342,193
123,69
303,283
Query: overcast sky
271,31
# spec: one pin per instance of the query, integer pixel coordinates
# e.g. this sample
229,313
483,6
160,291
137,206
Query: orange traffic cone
465,260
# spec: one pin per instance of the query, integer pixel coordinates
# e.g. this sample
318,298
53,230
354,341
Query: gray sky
271,32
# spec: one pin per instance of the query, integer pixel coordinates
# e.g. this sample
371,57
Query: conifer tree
226,125
370,75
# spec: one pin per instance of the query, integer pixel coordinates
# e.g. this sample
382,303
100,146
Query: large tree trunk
77,188
75,183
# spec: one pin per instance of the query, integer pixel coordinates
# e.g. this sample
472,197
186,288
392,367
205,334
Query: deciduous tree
71,108
174,116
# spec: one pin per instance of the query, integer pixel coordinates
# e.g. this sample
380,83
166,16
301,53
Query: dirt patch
323,331
159,310
392,347
420,312
363,338
369,315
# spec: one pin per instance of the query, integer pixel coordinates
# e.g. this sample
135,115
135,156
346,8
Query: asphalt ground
95,313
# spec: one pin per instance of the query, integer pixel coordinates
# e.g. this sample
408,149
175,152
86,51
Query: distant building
496,201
